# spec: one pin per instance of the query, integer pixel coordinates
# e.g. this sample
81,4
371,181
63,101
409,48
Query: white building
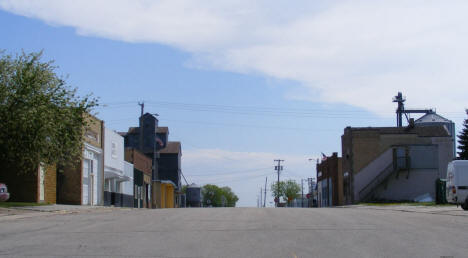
118,174
92,175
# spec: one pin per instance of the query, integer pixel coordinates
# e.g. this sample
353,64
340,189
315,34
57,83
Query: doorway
41,183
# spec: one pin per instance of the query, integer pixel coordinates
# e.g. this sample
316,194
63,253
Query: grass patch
19,204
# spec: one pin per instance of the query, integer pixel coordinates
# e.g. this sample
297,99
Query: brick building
330,181
84,183
394,163
141,176
38,185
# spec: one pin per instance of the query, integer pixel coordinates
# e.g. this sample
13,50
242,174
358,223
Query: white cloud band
354,52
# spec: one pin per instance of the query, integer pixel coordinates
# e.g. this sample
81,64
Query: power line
232,172
242,179
258,110
246,110
250,126
184,177
275,110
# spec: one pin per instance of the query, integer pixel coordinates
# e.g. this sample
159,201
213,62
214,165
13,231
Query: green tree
277,190
43,119
184,189
231,197
288,190
463,140
218,196
211,196
291,190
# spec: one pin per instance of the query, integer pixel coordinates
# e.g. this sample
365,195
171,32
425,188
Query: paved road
239,232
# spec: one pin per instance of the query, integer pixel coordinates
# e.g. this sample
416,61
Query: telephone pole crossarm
278,169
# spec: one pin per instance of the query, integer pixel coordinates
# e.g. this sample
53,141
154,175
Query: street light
316,176
314,159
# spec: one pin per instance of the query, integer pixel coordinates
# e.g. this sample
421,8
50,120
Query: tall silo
193,195
432,119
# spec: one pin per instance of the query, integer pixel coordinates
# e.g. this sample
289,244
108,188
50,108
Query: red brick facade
332,168
139,160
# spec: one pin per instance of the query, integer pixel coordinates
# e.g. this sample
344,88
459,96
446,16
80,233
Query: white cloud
355,52
244,172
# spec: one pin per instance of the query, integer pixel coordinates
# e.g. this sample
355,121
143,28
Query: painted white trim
167,182
112,170
92,148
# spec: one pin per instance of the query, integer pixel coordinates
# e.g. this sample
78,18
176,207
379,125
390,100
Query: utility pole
264,196
142,106
302,193
261,198
278,168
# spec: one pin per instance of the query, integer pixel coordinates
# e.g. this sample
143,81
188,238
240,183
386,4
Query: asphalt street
238,232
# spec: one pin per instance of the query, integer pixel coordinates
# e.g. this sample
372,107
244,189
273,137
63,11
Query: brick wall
25,187
50,185
365,145
22,187
332,168
139,160
93,134
69,183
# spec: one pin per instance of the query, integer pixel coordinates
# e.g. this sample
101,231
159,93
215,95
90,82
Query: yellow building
165,192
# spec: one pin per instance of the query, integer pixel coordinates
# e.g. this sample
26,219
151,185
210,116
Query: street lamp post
302,193
317,162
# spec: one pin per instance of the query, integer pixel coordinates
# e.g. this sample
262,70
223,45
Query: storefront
118,174
142,167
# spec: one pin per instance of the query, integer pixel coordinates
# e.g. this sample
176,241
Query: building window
118,187
107,185
92,135
114,150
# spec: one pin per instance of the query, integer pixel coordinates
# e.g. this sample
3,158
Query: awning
112,173
124,178
168,182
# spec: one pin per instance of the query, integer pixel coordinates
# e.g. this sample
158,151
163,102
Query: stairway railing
366,192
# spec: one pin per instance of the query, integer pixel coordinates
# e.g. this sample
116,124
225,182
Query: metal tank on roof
430,118
433,119
193,196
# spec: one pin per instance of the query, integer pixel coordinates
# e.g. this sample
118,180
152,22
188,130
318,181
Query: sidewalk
46,210
60,207
438,210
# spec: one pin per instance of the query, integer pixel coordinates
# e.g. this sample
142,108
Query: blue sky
238,100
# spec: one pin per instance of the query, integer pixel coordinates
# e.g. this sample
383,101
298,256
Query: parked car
457,183
4,195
